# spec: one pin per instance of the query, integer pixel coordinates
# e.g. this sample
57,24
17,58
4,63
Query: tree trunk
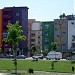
15,59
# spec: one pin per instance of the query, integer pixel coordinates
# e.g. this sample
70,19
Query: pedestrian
73,68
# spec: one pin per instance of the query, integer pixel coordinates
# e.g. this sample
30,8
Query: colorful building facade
47,35
0,28
13,15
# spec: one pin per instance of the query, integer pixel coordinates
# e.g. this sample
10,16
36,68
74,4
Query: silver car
38,56
70,58
21,57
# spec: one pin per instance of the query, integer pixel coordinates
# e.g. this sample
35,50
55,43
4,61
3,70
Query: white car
37,56
21,57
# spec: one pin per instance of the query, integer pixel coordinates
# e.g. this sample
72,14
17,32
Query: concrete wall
71,31
61,34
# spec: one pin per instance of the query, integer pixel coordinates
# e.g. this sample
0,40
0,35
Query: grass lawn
59,66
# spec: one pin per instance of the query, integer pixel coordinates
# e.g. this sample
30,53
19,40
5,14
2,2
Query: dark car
38,56
9,56
21,57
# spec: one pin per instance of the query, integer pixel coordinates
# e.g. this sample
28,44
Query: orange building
0,28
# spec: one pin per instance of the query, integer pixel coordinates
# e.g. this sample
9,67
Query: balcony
7,10
7,16
60,22
33,42
33,37
73,41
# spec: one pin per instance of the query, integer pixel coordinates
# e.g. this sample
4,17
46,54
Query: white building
71,34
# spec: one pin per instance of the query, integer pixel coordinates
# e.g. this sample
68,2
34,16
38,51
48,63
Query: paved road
47,73
52,73
40,72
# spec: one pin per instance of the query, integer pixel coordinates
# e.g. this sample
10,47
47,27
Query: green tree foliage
14,37
14,33
33,49
53,44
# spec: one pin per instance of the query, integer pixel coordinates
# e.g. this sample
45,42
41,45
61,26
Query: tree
33,50
14,37
53,44
45,52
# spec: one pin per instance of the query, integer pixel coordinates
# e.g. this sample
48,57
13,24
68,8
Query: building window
9,21
64,32
46,39
72,23
47,26
32,35
17,14
57,35
56,29
55,23
32,40
46,34
32,45
38,42
38,37
60,22
4,27
64,44
58,44
5,35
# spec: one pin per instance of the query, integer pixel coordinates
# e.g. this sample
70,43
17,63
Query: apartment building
13,15
71,35
47,35
30,21
0,28
61,34
64,34
35,35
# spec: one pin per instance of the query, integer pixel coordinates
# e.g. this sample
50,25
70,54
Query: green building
47,35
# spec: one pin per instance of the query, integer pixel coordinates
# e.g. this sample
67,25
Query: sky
43,10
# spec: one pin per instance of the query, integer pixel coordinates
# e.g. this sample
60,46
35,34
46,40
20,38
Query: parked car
1,56
70,58
38,56
9,56
21,57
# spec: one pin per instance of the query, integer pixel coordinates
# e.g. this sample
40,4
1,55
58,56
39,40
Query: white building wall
71,31
37,30
36,26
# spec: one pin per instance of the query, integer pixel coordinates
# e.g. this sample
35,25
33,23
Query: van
54,55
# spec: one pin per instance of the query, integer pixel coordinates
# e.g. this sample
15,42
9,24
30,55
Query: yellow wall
0,28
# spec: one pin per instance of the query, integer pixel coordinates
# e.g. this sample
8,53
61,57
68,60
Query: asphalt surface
52,73
38,73
46,73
